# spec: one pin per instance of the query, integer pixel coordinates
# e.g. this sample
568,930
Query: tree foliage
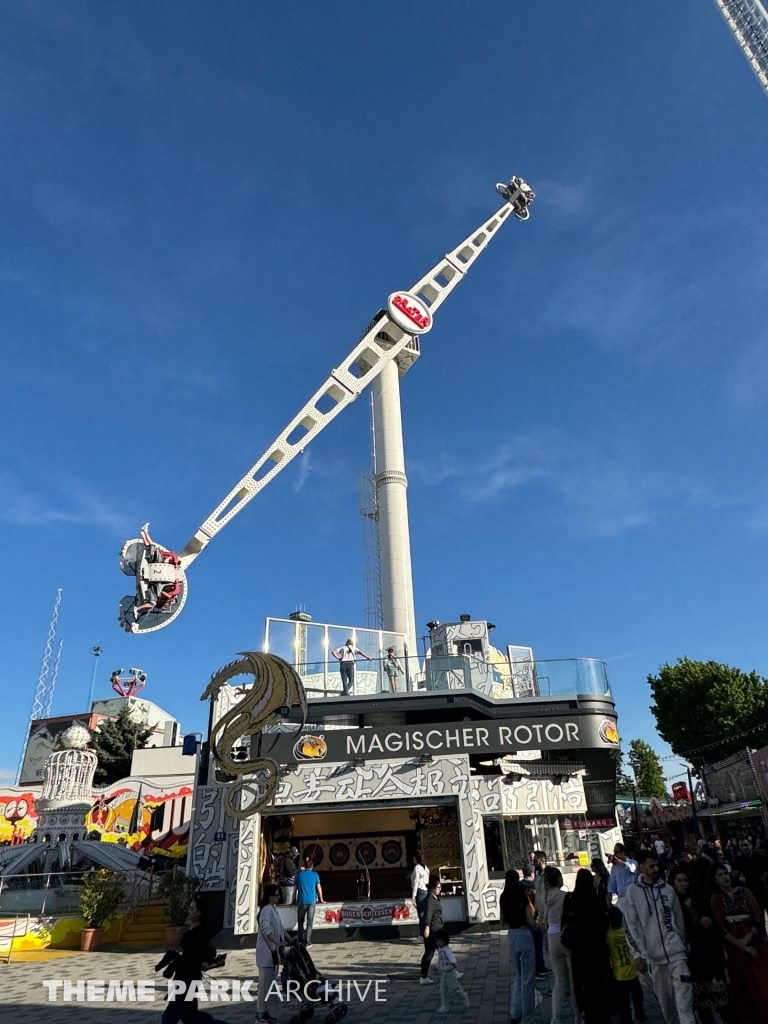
114,743
699,703
647,768
624,782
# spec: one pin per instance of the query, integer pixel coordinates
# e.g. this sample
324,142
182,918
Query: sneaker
442,1009
426,981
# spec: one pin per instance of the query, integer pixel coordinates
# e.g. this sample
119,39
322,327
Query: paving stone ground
483,958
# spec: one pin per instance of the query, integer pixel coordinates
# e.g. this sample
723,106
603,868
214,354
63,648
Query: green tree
699,703
624,782
647,768
114,742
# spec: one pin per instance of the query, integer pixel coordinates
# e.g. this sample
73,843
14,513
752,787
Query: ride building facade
468,755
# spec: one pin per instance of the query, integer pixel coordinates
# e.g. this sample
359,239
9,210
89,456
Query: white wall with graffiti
350,785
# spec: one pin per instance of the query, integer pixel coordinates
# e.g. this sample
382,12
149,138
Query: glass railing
497,680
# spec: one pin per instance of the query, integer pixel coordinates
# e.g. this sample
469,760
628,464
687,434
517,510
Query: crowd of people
685,929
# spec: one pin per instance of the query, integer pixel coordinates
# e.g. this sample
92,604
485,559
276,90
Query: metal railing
498,680
7,954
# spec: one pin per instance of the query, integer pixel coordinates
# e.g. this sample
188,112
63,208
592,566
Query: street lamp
693,799
97,652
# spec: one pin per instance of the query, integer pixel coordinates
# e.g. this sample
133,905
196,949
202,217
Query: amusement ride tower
386,350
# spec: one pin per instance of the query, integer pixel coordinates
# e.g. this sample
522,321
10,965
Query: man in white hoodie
655,919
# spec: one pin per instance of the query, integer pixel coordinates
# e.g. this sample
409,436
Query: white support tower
391,484
748,21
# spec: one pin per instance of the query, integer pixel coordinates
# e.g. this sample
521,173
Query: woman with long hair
194,950
586,917
271,937
419,888
517,914
554,901
600,879
706,959
739,915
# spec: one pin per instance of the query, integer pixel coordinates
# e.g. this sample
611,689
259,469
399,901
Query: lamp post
693,800
97,652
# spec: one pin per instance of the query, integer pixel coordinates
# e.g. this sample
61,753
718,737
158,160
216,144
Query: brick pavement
483,958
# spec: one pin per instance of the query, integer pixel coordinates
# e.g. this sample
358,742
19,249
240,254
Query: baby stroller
316,994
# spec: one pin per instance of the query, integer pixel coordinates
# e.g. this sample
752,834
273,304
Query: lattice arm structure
392,335
384,341
748,21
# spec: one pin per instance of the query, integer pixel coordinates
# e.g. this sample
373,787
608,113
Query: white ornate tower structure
67,788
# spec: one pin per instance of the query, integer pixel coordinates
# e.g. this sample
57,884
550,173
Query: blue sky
203,204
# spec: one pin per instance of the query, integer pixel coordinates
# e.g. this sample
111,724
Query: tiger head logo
310,748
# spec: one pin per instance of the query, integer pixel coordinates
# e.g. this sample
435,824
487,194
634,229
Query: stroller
316,993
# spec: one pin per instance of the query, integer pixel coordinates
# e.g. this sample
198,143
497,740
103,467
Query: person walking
392,668
623,874
706,953
420,889
289,867
517,914
271,937
655,921
309,893
433,922
626,983
584,927
346,657
554,901
188,966
740,916
448,972
539,864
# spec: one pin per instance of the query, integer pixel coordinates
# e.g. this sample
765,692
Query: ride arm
383,341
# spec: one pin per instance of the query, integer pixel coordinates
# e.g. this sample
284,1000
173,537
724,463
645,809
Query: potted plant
102,893
178,889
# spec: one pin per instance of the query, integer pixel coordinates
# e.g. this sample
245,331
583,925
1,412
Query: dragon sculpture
276,689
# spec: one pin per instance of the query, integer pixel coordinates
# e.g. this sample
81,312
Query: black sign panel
478,737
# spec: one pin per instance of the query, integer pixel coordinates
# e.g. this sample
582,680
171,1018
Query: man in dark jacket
753,868
433,921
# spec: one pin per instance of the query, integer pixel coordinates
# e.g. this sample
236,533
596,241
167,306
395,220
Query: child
626,982
447,968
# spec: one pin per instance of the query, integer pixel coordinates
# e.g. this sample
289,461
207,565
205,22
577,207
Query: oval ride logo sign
409,313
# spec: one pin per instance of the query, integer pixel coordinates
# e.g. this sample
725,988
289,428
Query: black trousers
429,951
626,992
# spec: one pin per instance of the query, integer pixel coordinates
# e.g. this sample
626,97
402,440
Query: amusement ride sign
444,738
409,313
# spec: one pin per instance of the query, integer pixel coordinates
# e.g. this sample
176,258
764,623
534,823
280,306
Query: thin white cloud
605,492
304,471
65,501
